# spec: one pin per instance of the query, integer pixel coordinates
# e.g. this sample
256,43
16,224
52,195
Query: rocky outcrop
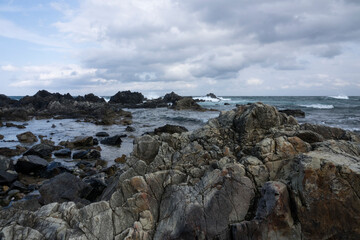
251,173
187,103
168,128
127,97
27,137
293,112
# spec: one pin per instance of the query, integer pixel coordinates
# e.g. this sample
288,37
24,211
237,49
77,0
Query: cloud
254,82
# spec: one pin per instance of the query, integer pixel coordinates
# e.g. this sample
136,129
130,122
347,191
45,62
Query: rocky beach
252,172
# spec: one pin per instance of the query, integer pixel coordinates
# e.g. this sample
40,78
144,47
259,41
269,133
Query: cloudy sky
192,47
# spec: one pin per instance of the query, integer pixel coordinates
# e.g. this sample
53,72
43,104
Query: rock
1,137
121,159
187,103
171,98
5,163
102,134
321,182
92,98
27,137
7,177
330,132
170,129
127,97
113,141
30,164
98,184
146,148
65,152
6,101
64,187
293,112
80,142
8,152
130,129
310,136
15,125
273,219
211,95
41,150
87,154
53,169
226,104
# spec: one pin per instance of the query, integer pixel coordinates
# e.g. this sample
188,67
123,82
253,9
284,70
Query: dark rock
5,163
27,137
102,134
211,95
127,97
331,132
81,142
8,152
293,112
53,169
63,153
6,101
1,137
7,177
31,164
172,97
170,129
87,154
53,126
14,125
121,159
187,103
63,188
130,129
226,104
19,185
92,98
41,150
98,184
309,136
113,141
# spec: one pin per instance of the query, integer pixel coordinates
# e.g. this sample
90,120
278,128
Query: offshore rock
187,103
171,129
127,97
27,137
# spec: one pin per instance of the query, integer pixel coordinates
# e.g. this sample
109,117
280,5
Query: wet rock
1,137
27,137
87,154
310,136
127,97
80,142
170,129
130,129
98,184
226,104
15,125
5,163
7,177
293,112
113,141
41,150
65,152
187,103
211,95
30,164
9,152
330,132
121,159
64,187
19,185
53,169
102,134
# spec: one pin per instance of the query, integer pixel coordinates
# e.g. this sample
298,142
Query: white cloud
9,68
254,82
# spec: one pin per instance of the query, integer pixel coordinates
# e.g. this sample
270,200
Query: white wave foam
151,96
210,99
318,106
344,97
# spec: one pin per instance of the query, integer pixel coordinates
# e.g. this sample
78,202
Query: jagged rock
113,141
172,97
7,177
293,112
65,152
187,103
53,169
146,148
80,142
168,128
130,129
64,187
41,150
211,95
30,164
27,137
273,219
5,163
310,136
127,97
92,98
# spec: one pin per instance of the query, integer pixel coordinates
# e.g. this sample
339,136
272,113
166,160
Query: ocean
335,111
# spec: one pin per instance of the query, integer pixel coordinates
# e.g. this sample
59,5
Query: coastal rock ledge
251,173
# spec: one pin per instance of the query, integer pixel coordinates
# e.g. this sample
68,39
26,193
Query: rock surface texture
251,173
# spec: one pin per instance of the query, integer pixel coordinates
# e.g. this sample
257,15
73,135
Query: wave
318,106
210,99
344,97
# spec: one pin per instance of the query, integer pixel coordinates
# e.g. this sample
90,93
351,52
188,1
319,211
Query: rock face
251,173
187,104
127,97
293,112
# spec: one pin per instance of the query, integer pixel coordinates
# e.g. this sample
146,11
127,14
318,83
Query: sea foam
344,97
318,106
210,99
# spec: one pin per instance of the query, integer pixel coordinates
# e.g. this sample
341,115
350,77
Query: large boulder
168,128
27,137
127,97
41,150
171,98
146,148
63,188
30,164
331,132
113,141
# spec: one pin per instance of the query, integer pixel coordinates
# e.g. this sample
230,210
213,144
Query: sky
192,47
